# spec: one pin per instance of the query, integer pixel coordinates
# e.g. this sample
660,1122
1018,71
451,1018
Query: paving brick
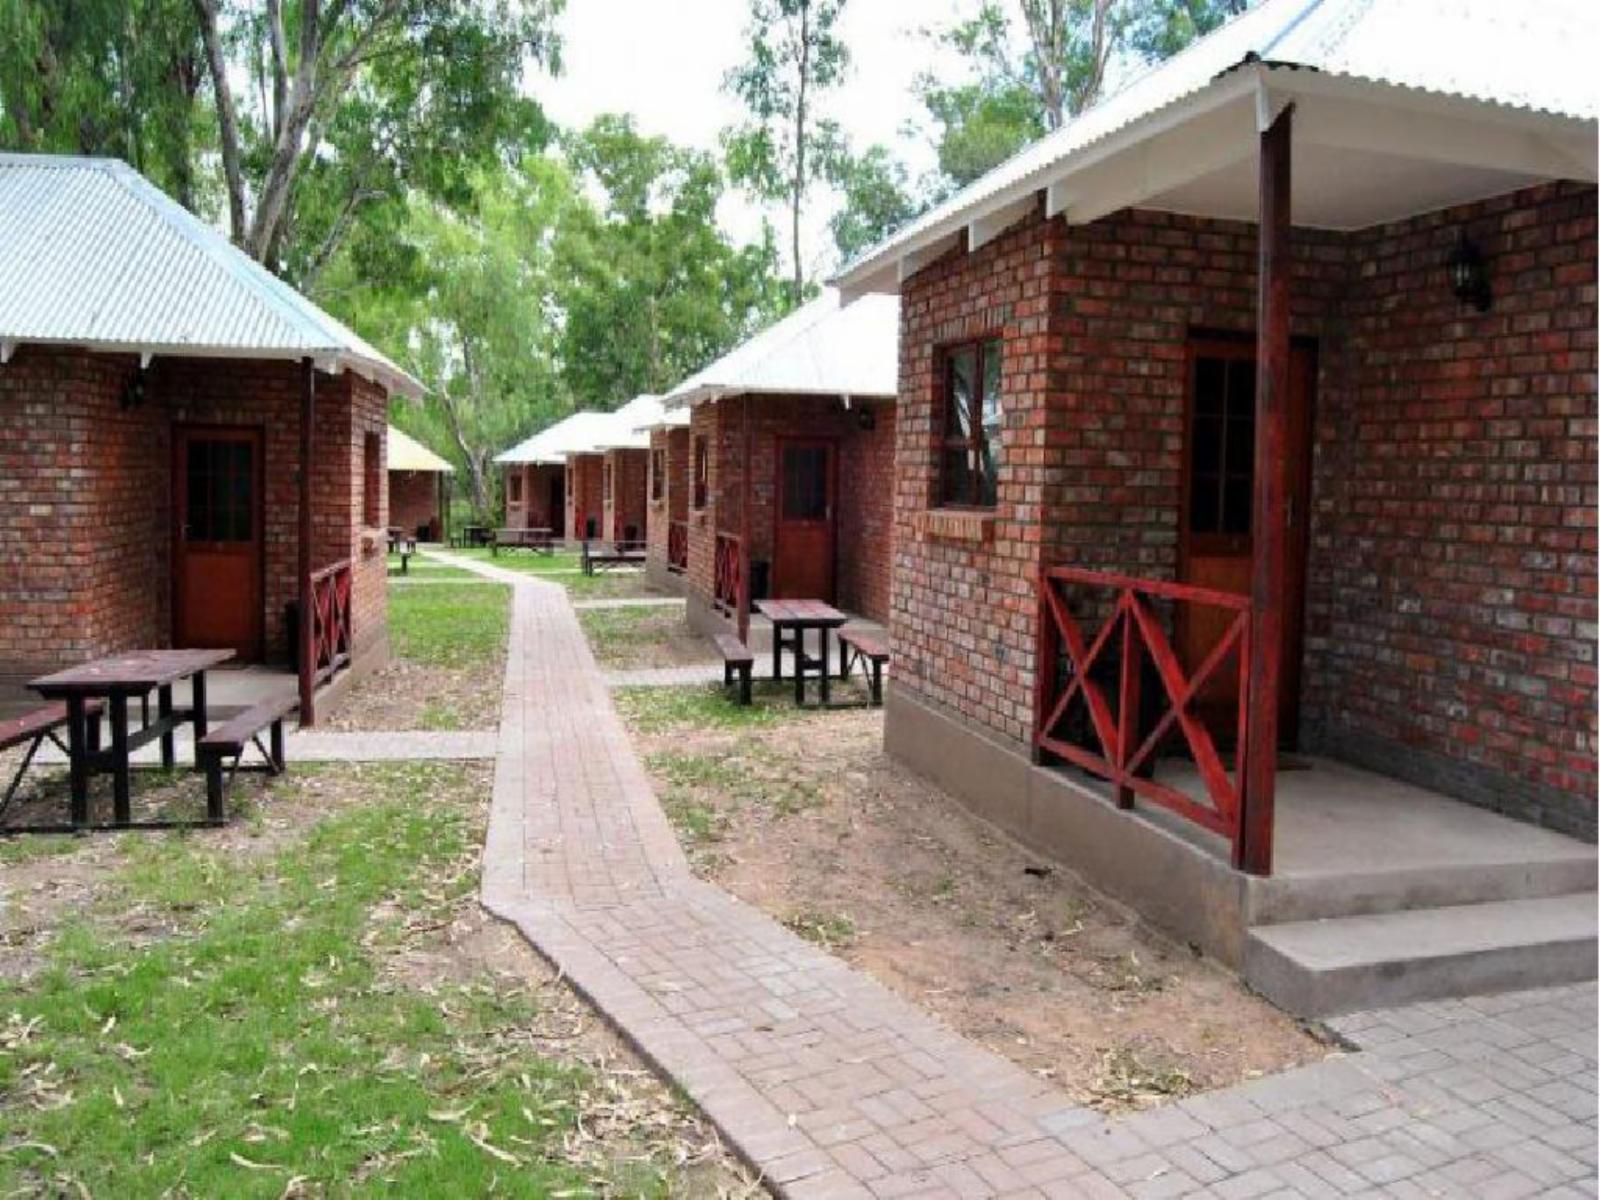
835,1087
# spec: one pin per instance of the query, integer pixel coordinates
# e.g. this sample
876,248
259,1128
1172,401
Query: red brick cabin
1113,378
667,523
623,443
534,473
419,483
188,447
808,405
586,497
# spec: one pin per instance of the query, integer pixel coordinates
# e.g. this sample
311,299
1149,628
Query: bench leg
877,684
275,740
22,769
121,781
744,685
77,752
214,809
164,711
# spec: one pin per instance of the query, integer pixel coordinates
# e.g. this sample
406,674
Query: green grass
450,625
426,568
722,780
17,850
709,706
523,560
643,635
831,931
260,1042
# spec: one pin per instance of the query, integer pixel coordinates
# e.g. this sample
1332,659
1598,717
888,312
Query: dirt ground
413,695
826,833
643,638
48,885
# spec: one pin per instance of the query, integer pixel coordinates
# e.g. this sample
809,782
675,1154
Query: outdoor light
866,419
1469,278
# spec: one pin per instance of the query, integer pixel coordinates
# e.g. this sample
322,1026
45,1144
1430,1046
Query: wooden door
217,539
1215,542
803,552
558,504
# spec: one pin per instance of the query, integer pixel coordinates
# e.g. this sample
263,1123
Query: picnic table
791,621
473,535
115,680
539,538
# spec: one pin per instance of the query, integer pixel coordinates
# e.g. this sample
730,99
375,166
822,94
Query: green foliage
1159,29
981,126
877,200
786,147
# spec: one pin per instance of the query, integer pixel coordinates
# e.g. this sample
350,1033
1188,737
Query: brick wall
864,465
1452,597
414,501
626,502
532,508
86,496
673,445
585,495
1422,406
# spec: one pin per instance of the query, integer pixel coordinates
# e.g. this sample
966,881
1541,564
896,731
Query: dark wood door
558,504
803,553
1215,536
217,540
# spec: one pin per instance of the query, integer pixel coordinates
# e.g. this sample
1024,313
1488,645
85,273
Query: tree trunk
227,122
273,202
800,148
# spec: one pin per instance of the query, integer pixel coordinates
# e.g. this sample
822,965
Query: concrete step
1555,866
1344,964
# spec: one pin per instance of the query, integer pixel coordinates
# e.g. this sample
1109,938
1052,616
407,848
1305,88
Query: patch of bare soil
644,638
413,695
855,852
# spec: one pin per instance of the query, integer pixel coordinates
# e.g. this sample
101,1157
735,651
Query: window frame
514,486
974,442
658,475
372,480
700,492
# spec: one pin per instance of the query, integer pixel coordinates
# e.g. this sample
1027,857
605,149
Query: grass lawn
450,625
710,707
289,1011
523,560
425,568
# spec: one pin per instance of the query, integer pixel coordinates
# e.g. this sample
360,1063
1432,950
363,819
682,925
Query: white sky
663,61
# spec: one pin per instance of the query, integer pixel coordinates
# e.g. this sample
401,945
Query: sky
663,61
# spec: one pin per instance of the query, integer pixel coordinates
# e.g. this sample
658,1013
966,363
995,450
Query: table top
800,612
137,669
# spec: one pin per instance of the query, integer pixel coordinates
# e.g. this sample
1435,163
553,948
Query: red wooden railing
1119,750
330,620
727,575
678,546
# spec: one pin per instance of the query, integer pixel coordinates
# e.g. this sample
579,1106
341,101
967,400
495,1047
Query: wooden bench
33,728
869,650
233,736
736,657
619,555
539,540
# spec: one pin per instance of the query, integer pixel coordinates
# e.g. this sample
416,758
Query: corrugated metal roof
570,435
405,453
629,427
92,254
819,349
1531,57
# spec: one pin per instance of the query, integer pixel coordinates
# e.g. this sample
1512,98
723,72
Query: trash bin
760,576
291,630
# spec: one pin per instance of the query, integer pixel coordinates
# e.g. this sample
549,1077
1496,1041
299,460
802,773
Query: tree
105,77
410,68
651,289
877,200
786,147
1031,84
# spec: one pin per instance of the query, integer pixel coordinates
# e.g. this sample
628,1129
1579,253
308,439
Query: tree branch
227,121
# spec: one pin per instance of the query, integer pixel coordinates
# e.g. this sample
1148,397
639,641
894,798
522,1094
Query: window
514,486
702,471
658,474
970,450
805,483
372,480
1222,445
605,477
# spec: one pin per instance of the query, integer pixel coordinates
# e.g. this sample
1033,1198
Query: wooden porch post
744,529
1269,514
308,668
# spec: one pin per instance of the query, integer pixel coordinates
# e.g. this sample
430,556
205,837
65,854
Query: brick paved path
834,1087
631,602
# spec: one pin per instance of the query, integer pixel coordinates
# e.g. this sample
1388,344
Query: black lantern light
133,389
1469,277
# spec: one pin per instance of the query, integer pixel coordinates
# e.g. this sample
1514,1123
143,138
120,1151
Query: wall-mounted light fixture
1469,276
133,390
866,419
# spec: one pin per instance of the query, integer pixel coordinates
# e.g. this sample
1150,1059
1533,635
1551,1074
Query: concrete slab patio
833,1087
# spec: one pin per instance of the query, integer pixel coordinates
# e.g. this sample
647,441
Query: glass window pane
1209,382
1203,515
805,483
1235,505
989,473
955,479
991,386
1205,447
1241,447
1241,388
958,405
